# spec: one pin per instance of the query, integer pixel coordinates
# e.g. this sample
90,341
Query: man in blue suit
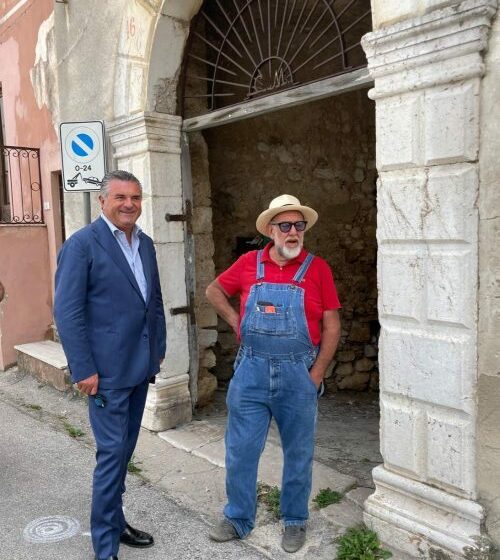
109,313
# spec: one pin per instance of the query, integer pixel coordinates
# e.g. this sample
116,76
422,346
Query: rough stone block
202,219
439,369
435,205
370,351
207,385
401,273
451,282
400,424
450,451
398,132
364,364
206,316
206,337
451,124
345,356
399,205
450,199
343,370
356,382
360,332
208,359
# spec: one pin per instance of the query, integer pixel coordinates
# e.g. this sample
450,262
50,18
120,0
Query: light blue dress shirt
131,253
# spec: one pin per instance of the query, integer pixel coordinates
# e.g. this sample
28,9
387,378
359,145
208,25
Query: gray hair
119,175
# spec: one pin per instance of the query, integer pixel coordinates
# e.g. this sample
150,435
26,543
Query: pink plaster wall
26,308
27,253
27,124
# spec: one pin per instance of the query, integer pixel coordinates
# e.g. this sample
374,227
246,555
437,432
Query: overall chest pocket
273,319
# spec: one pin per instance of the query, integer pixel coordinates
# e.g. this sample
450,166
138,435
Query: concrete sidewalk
186,466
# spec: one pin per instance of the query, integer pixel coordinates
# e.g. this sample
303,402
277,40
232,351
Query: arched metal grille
240,50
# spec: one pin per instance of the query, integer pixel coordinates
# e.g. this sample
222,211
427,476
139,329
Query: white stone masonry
427,74
148,145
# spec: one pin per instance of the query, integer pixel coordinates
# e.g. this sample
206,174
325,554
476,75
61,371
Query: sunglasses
285,227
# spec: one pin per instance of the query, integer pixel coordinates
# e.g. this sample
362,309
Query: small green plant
73,431
326,497
360,543
33,406
132,466
270,496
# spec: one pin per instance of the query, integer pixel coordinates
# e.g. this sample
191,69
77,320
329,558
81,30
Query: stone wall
323,153
489,293
206,318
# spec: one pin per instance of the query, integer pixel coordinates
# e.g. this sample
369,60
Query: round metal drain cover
51,529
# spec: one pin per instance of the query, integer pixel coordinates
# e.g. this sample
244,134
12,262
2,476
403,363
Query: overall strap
260,265
299,275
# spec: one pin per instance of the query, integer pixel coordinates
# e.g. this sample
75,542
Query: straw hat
285,203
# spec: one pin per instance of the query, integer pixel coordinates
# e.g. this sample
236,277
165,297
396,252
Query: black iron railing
20,186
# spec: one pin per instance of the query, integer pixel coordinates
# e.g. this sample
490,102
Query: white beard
287,253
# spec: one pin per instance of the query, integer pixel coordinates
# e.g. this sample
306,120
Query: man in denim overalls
289,328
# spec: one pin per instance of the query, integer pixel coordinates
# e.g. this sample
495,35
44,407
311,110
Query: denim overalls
271,379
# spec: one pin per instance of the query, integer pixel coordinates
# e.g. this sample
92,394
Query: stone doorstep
206,440
45,360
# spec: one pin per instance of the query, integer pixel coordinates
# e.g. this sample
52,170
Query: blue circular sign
82,145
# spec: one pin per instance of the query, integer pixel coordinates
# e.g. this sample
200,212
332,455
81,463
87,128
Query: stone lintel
421,518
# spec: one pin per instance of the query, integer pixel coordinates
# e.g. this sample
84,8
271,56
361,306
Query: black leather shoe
134,537
108,558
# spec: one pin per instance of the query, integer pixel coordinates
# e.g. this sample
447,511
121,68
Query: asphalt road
45,479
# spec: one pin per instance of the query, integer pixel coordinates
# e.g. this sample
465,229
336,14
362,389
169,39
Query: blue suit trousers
116,429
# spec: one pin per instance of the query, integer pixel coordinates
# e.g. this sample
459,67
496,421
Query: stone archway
145,138
427,72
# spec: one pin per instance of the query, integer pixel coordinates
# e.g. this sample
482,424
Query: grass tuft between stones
326,497
360,543
270,497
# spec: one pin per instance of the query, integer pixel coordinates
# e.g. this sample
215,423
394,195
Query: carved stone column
427,74
148,145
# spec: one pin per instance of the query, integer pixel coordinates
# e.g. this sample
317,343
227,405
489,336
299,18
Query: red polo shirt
320,292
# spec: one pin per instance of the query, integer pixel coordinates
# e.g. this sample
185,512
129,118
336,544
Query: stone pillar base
422,521
168,404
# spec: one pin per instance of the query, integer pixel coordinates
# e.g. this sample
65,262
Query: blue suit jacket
104,323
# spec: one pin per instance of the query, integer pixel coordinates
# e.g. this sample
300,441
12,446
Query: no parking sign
83,155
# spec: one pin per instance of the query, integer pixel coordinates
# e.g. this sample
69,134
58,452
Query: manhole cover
51,529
